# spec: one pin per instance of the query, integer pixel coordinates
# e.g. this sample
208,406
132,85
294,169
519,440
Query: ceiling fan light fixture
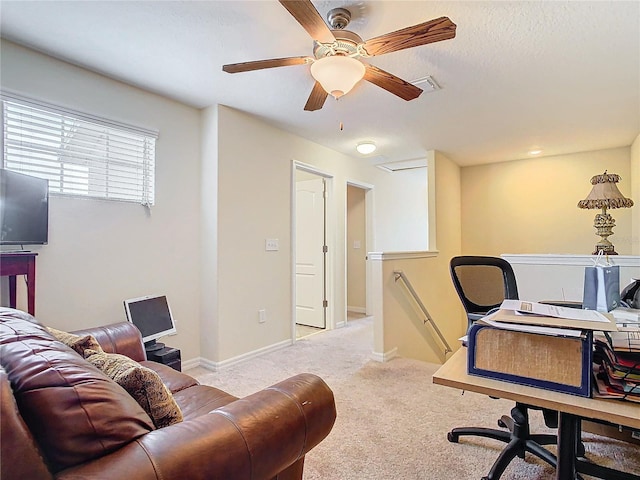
365,148
337,74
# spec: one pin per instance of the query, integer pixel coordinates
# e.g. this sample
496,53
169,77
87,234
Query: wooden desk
571,409
20,263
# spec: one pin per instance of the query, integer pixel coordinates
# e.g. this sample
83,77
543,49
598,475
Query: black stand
166,355
152,346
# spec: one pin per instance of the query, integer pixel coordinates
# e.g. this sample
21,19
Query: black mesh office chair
482,284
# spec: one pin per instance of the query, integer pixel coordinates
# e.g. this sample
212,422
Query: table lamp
605,194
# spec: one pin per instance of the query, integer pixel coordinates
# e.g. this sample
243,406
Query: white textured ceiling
561,76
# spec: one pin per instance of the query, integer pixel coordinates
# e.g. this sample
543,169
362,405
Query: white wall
635,196
402,218
100,252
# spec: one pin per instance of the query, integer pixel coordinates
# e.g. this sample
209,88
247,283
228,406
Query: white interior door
310,253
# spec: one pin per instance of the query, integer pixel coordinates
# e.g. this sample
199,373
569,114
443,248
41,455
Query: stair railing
399,274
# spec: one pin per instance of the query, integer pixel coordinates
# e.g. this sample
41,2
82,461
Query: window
80,155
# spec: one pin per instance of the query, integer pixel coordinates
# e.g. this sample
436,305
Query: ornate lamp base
604,223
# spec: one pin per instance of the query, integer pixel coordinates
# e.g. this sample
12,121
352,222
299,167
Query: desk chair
482,284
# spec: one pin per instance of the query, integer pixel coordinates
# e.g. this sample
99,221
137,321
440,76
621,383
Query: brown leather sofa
62,418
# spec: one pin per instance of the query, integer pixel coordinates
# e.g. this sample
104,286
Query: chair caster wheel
452,437
501,424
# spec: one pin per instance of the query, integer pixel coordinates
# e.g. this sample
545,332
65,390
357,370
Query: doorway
358,243
311,292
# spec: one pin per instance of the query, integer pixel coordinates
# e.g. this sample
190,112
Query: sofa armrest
123,338
254,438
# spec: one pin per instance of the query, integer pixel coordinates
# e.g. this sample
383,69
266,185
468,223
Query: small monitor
152,316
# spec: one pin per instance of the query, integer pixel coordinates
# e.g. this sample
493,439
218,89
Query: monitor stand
153,346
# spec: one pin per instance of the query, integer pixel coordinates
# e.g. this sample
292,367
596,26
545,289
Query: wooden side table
20,263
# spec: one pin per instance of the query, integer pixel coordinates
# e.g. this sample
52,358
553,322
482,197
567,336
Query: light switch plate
271,245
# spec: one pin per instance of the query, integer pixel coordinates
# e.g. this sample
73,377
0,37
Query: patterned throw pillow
76,342
142,383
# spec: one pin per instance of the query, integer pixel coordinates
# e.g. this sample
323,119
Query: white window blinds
79,154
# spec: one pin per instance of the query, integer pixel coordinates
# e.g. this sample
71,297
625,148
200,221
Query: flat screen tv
24,209
152,316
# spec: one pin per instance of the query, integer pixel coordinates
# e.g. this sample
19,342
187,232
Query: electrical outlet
262,316
271,245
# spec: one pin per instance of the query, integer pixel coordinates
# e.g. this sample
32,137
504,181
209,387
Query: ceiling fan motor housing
339,18
346,44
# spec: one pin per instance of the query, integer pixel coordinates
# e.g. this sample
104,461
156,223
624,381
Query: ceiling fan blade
260,64
317,98
428,32
307,16
391,83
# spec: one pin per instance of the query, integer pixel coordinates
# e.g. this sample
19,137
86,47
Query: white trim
357,309
401,255
431,201
330,227
386,356
216,366
369,191
193,363
580,260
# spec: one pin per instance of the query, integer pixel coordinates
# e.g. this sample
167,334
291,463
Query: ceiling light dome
365,148
337,74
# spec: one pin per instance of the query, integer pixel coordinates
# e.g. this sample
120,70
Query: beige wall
430,277
101,252
218,196
530,206
254,203
356,253
635,196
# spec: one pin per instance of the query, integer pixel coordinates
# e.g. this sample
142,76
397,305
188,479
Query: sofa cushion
201,399
173,379
142,383
74,411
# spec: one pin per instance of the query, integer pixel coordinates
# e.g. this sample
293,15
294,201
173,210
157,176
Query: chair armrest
254,438
123,338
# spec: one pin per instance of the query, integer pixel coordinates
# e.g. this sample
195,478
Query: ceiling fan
336,66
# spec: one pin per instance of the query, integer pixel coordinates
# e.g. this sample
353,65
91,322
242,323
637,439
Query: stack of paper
627,317
616,365
535,314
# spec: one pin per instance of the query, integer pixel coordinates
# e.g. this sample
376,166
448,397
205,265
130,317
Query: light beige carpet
392,420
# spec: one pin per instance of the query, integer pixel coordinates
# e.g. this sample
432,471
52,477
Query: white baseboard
384,357
362,310
215,366
192,363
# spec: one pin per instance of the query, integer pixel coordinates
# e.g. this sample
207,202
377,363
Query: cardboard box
620,433
558,363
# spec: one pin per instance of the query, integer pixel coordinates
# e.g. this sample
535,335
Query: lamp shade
337,74
605,193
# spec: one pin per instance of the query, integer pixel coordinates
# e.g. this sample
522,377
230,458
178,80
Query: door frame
330,242
369,240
